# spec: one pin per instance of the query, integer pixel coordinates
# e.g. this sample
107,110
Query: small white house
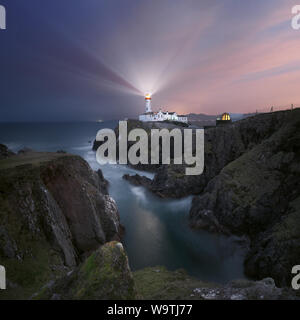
149,115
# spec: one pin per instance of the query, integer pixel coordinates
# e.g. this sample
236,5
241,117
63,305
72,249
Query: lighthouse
148,102
150,116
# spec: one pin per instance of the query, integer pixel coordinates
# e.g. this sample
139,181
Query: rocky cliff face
250,187
222,146
258,195
54,211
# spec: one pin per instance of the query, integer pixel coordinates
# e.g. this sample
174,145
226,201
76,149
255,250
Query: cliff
222,146
54,211
258,195
250,187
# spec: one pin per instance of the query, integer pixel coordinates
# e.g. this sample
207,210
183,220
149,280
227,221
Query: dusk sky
94,59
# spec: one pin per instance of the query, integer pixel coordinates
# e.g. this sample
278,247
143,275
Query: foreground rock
258,195
54,211
105,275
158,283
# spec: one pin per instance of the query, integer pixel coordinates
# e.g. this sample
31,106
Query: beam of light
135,60
195,56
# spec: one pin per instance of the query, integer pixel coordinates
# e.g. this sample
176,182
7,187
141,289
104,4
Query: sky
78,60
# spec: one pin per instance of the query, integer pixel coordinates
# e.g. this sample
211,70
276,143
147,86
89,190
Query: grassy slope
158,283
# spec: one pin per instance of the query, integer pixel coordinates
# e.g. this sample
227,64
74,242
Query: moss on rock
105,275
158,283
53,212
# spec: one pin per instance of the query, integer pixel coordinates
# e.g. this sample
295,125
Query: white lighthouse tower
148,103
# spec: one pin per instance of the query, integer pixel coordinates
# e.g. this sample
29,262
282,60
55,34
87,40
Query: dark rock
75,187
138,180
103,183
222,146
53,213
257,195
277,250
105,275
246,290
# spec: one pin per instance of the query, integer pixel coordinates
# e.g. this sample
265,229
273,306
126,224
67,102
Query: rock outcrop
105,275
54,211
222,145
258,195
250,187
158,283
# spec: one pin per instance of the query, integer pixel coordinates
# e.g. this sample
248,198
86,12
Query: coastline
145,200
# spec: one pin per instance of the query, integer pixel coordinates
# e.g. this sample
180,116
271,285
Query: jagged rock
277,250
54,211
138,180
105,275
222,146
258,195
103,183
245,290
169,182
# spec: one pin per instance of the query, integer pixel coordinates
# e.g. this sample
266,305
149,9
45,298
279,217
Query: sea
157,230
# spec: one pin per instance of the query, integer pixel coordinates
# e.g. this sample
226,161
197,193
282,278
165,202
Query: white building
149,115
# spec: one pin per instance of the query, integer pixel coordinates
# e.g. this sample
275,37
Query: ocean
157,230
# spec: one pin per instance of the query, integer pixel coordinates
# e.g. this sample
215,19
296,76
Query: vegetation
158,283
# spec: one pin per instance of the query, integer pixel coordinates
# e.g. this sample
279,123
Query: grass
31,158
159,283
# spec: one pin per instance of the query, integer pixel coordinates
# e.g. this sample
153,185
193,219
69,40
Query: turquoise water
157,231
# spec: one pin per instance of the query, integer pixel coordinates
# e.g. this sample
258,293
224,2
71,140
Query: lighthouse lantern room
148,103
